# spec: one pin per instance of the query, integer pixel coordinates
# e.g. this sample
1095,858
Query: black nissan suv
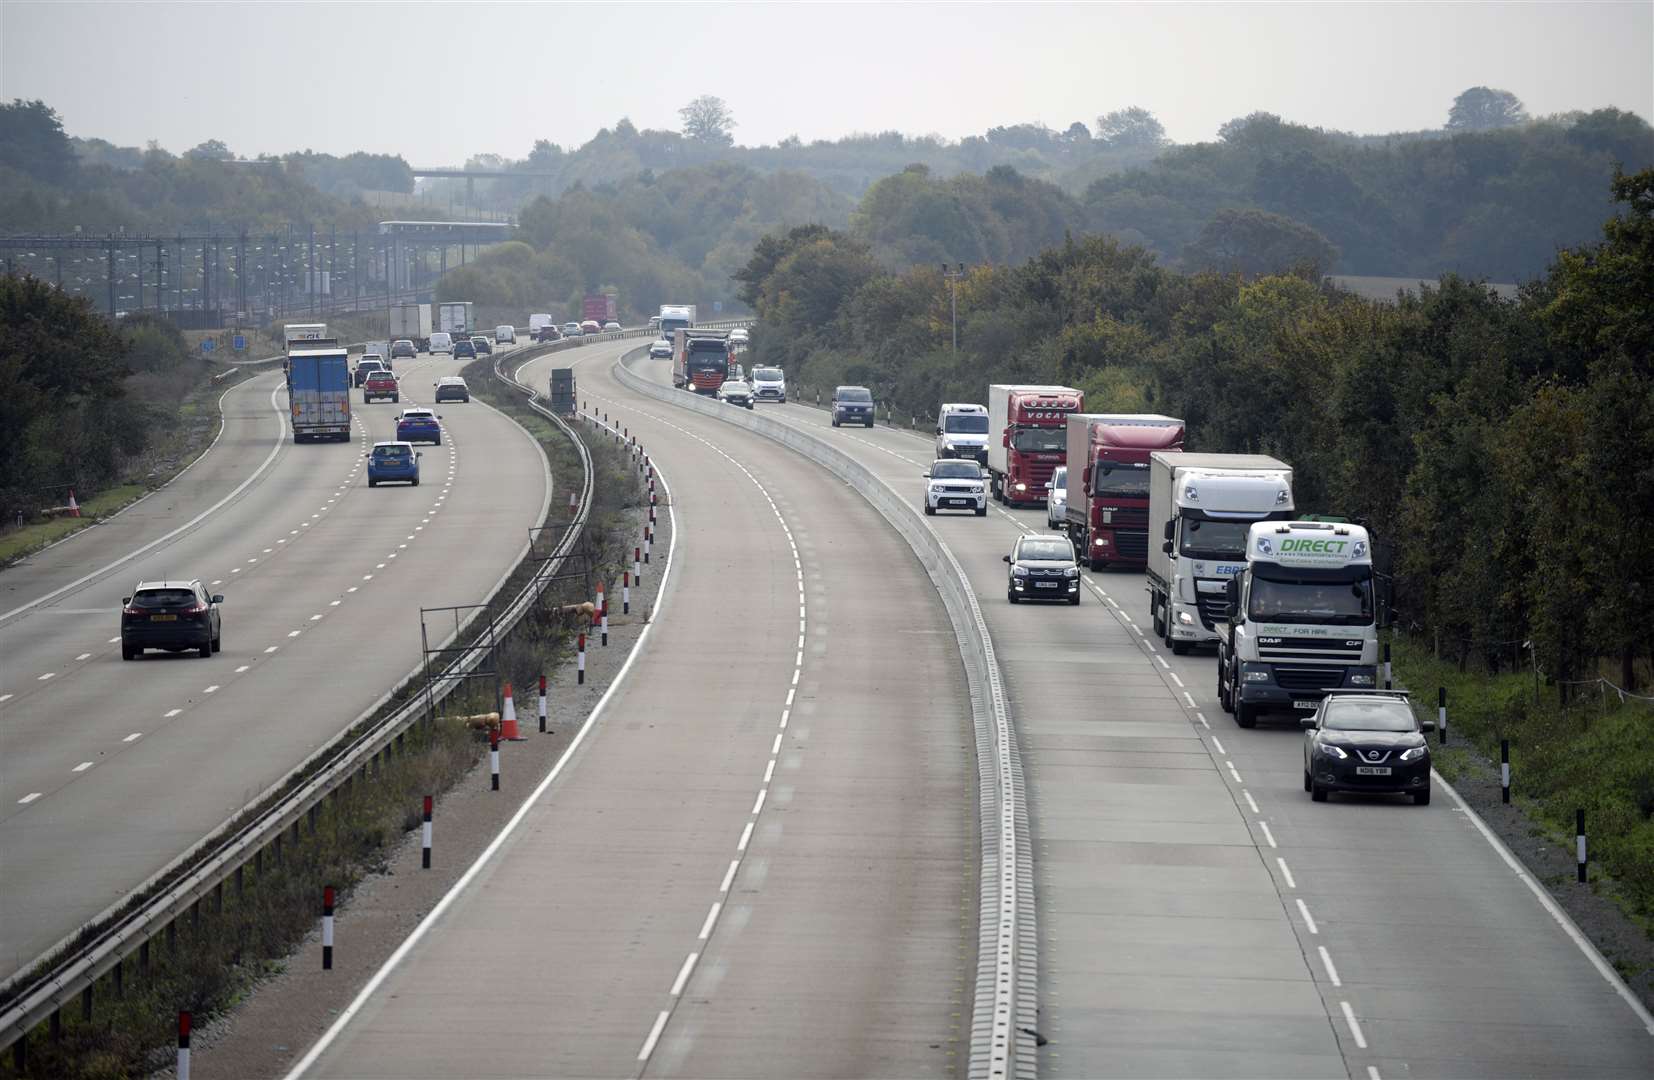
173,615
1366,741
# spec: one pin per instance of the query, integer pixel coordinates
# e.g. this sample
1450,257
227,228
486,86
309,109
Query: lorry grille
1309,678
1132,543
1214,608
1347,650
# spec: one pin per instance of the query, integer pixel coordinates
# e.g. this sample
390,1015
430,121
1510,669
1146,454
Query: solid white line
1291,884
82,767
711,919
746,836
683,973
281,440
1355,1028
1561,918
1309,920
758,804
729,875
654,1033
1267,835
1326,961
510,827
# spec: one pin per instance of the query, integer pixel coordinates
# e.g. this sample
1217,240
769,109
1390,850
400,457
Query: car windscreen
767,374
1368,716
164,598
1120,481
959,470
966,424
853,393
1045,440
1046,551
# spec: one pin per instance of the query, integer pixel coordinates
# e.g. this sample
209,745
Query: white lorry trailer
413,322
1200,506
454,319
1302,619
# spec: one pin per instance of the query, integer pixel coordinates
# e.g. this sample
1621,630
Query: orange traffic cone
74,507
508,726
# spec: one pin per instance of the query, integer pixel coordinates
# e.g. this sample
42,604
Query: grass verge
1596,756
210,958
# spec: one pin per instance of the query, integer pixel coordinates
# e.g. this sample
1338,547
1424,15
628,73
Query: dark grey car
852,405
1043,567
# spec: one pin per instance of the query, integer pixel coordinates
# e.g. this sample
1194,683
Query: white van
962,431
537,321
442,343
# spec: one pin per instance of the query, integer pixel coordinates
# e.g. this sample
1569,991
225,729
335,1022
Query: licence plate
1045,584
958,502
1372,770
1310,705
163,618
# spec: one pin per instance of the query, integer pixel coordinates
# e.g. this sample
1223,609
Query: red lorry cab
1026,438
1108,483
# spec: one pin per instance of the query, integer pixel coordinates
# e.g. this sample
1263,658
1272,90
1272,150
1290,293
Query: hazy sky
437,82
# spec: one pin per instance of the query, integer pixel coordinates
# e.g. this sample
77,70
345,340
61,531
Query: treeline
652,239
1499,448
80,398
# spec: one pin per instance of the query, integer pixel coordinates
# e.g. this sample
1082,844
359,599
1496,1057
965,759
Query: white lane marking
213,689
242,668
1556,913
134,737
1372,1073
1219,744
1267,835
367,577
1175,679
235,569
1355,1026
117,641
769,771
711,919
29,798
1190,698
790,694
281,441
334,603
353,588
381,566
785,715
654,1036
746,837
1233,773
758,804
729,875
683,973
1290,883
1326,962
1309,920
313,618
294,633
272,648
6,697
48,675
82,767
84,656
267,551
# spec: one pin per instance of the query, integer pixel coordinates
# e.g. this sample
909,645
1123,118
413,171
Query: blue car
393,461
419,425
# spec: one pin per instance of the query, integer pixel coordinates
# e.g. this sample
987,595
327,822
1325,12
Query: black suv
1366,741
1043,567
852,404
171,615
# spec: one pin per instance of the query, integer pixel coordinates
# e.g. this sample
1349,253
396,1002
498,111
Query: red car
380,384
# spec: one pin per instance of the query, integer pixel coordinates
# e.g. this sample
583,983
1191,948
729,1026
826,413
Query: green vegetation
17,542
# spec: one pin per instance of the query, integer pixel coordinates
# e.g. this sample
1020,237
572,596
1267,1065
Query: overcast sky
438,82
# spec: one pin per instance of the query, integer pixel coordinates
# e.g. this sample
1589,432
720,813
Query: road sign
208,345
239,343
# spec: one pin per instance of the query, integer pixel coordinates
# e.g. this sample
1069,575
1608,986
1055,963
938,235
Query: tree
1483,109
1133,127
1077,134
707,119
211,150
32,141
1256,242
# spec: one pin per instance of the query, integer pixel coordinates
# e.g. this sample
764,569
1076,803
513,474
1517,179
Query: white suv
956,485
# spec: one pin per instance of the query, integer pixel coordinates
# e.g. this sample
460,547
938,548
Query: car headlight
1071,572
1415,753
1019,571
1254,676
1361,680
1334,751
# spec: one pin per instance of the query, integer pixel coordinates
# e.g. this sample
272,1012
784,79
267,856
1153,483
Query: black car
403,349
464,348
483,346
852,405
1043,567
173,615
1368,741
451,388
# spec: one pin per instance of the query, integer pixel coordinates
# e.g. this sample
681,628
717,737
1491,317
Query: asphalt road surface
113,769
761,862
1198,914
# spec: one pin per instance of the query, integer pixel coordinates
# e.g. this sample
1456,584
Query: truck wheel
1155,616
1225,702
1245,715
1097,564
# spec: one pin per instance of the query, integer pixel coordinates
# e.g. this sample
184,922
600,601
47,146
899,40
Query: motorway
113,769
1198,914
762,859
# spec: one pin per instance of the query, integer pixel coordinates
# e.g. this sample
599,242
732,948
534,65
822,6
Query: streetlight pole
953,277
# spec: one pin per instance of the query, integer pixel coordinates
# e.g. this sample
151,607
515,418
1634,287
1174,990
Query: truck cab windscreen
966,424
1110,478
1318,597
1203,538
1049,440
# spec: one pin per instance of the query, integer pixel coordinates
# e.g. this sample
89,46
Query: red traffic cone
74,507
508,726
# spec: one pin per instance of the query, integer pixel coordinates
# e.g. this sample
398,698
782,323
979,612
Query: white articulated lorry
1200,507
1302,619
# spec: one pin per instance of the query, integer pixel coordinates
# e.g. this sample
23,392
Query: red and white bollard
626,592
425,837
183,1046
580,662
542,703
494,759
327,928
